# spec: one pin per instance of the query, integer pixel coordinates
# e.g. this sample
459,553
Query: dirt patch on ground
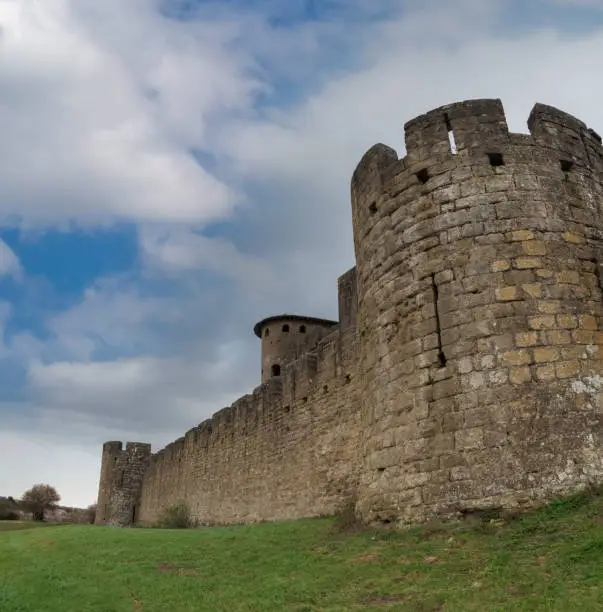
173,569
384,600
370,556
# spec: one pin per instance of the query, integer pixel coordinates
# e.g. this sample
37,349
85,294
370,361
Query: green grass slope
547,560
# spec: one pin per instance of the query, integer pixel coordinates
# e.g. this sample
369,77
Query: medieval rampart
465,371
288,449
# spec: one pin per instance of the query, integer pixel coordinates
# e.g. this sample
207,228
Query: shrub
176,516
8,515
9,509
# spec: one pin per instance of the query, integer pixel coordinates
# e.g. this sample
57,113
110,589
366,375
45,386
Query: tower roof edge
257,328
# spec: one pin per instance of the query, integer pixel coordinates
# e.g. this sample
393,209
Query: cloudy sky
171,171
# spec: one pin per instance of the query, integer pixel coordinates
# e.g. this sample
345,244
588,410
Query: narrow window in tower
566,164
302,329
120,483
496,159
451,140
267,332
373,208
285,328
598,272
441,355
423,176
276,370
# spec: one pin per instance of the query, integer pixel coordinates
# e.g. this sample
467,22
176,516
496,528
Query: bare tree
39,498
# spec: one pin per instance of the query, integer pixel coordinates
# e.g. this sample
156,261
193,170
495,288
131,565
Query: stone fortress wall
288,449
465,370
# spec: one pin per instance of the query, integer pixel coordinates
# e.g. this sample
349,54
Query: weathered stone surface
122,472
518,342
465,371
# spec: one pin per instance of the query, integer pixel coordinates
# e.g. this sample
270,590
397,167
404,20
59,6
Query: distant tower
120,483
286,337
479,283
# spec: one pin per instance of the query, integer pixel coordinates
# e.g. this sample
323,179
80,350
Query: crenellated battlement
475,128
459,128
113,447
465,368
433,188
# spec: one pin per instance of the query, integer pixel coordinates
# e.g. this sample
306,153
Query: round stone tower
286,337
120,484
479,315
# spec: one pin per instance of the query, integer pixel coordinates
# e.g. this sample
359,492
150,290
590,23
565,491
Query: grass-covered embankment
547,560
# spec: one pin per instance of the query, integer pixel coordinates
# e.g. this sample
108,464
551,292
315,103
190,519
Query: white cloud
100,106
180,251
141,395
5,313
324,138
9,262
111,315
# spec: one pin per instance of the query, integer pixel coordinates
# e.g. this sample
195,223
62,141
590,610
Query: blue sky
174,170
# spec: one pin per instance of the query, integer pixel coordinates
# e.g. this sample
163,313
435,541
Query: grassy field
548,560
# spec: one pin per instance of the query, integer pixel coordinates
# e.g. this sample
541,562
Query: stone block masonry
466,368
289,449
